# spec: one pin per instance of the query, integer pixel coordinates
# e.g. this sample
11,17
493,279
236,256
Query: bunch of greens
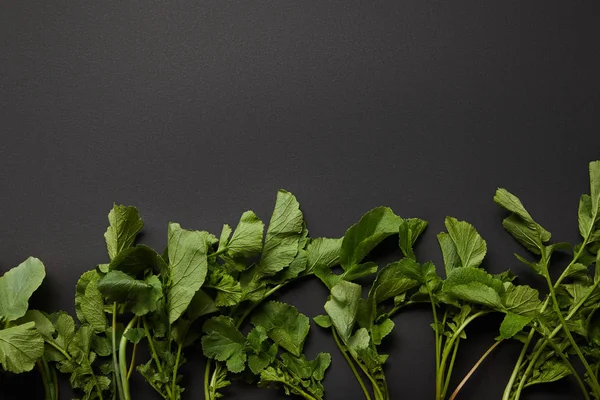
244,271
567,325
21,345
272,350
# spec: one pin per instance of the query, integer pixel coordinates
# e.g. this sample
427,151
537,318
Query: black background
196,111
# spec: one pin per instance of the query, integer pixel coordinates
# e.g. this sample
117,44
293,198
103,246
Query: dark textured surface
195,111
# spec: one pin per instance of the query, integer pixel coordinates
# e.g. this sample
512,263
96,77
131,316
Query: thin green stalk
59,349
175,369
450,345
206,379
45,379
115,355
351,365
450,368
541,348
438,349
594,379
568,364
472,371
124,375
518,365
154,354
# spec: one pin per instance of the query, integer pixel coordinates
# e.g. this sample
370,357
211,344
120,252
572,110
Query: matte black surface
196,111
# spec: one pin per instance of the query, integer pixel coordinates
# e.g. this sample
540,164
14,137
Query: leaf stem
593,378
351,364
568,364
115,354
174,391
154,353
123,359
472,371
450,368
450,345
206,379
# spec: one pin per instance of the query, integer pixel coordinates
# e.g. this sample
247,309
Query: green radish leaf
470,247
362,237
17,286
188,265
286,326
20,347
224,342
124,225
410,230
342,307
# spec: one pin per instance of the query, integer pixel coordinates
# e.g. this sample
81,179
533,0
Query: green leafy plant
21,345
246,270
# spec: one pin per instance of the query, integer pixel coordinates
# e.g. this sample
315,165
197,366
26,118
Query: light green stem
472,371
351,364
115,354
123,359
174,393
154,354
450,368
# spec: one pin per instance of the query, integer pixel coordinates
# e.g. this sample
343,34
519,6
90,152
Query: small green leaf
91,305
20,347
381,330
323,254
511,203
521,300
134,335
394,279
125,224
188,265
525,235
42,323
323,321
224,342
248,236
362,237
17,286
141,296
470,247
476,286
410,230
201,304
451,259
135,261
342,307
284,232
284,324
229,291
512,324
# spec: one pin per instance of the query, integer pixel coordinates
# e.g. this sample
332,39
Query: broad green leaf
594,168
247,237
284,324
359,271
410,230
362,237
511,203
394,279
342,307
476,286
585,216
134,335
513,324
20,347
525,235
224,342
84,280
323,254
124,225
470,247
256,337
42,323
136,260
188,265
17,286
92,306
284,233
451,259
522,300
141,296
